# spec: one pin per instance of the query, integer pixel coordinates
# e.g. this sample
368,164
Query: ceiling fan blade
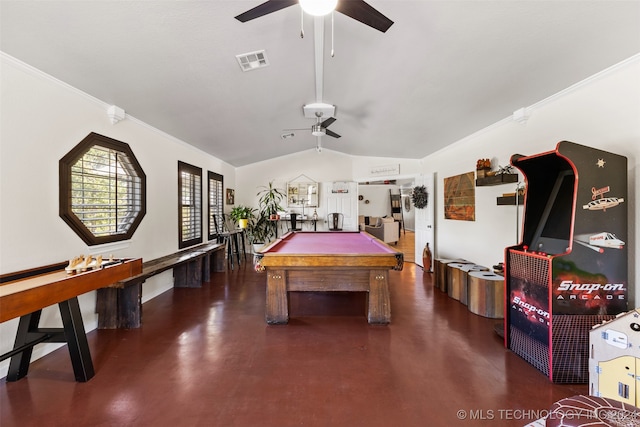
363,12
328,122
264,9
332,133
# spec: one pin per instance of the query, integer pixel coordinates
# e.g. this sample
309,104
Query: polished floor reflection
205,357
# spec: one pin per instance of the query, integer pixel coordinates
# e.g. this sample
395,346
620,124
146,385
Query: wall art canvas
460,197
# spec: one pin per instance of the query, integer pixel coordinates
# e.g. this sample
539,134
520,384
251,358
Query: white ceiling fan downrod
332,31
332,53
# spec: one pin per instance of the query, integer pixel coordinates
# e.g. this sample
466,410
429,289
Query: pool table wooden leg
277,310
379,310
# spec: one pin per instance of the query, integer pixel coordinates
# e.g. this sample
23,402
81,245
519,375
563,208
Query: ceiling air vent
252,60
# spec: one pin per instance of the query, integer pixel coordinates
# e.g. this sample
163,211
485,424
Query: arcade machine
569,271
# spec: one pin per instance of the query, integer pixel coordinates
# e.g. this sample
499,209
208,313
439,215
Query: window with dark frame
189,205
215,200
102,190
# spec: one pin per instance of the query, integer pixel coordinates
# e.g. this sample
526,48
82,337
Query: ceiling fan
319,129
356,9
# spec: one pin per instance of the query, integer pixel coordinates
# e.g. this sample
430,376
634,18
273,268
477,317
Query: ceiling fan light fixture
318,7
317,130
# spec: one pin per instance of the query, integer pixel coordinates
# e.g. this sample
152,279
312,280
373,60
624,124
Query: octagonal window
102,190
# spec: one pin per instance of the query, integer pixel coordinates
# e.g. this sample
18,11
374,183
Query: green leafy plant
259,231
262,230
241,212
242,215
269,199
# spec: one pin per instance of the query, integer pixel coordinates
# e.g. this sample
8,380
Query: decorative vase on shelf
426,258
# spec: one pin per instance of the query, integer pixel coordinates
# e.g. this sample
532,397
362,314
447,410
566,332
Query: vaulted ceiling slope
444,70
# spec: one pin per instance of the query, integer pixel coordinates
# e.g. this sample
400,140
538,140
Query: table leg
72,332
130,306
206,267
217,260
277,308
107,308
242,240
379,303
76,340
19,364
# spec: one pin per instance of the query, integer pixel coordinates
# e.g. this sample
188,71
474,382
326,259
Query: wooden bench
120,305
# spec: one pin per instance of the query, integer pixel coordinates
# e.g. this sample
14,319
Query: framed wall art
230,196
460,197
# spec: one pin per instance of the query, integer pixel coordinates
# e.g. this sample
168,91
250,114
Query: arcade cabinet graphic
569,271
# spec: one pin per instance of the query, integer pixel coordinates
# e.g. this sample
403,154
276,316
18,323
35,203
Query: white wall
603,112
321,167
377,196
42,119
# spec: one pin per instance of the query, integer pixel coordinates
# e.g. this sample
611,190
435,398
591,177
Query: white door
345,203
425,221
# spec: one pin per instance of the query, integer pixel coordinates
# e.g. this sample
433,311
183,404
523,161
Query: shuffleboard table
25,293
328,261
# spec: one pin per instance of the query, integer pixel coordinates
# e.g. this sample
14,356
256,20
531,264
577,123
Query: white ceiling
444,70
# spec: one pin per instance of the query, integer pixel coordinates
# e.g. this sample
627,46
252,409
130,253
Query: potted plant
241,215
258,232
269,200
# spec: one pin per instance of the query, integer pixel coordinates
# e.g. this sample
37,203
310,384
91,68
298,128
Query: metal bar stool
293,222
335,221
227,237
238,237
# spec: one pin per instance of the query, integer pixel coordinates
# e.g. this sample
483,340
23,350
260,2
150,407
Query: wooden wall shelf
510,200
505,178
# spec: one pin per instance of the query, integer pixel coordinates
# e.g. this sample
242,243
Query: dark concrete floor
206,357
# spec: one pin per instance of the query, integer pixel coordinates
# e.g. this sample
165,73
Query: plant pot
243,223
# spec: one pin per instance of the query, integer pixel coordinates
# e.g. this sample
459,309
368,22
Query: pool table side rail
393,261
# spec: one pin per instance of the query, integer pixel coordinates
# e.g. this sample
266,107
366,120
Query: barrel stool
439,268
441,279
454,278
464,272
486,294
582,410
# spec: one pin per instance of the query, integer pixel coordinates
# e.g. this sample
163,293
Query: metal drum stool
486,294
460,277
441,279
455,279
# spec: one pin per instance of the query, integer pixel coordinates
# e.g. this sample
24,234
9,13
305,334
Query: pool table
328,261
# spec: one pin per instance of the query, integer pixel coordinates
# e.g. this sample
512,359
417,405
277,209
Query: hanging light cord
301,23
